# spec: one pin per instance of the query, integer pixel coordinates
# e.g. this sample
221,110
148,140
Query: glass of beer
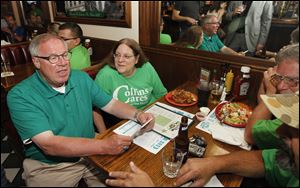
215,96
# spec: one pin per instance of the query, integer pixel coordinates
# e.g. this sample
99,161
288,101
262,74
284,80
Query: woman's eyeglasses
127,57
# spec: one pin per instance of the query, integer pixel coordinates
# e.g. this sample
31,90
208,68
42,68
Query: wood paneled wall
101,48
178,65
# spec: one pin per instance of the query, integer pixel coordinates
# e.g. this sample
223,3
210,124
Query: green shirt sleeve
264,133
80,58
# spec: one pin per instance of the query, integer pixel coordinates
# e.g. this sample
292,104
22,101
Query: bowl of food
235,114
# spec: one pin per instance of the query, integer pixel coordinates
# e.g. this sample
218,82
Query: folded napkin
6,74
224,133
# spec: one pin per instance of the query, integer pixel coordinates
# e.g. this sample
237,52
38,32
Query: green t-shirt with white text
139,90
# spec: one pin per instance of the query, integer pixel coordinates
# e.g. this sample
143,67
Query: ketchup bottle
242,83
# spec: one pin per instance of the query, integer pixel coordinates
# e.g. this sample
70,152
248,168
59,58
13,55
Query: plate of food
235,114
181,97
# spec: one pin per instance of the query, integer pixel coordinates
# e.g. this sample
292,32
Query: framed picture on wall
108,13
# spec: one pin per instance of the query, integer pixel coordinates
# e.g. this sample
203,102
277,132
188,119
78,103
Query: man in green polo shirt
211,41
72,34
52,112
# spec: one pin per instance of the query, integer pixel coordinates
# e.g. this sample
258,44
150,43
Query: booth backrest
16,53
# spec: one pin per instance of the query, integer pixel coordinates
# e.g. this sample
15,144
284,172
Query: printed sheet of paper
150,141
167,121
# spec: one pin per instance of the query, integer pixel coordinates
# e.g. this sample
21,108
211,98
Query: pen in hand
139,132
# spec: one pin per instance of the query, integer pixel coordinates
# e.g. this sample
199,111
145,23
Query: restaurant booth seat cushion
16,53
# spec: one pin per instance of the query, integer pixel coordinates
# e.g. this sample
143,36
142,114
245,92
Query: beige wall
113,33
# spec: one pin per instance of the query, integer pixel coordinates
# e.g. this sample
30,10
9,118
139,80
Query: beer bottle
182,139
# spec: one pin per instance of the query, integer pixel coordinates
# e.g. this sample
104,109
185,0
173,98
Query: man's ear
77,41
36,62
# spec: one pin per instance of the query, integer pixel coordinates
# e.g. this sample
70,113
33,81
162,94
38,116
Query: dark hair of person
75,29
216,5
191,37
137,51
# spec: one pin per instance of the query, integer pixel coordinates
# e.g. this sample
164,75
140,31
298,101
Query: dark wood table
21,71
152,164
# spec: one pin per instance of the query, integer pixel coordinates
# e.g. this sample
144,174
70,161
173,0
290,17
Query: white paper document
150,141
167,122
167,119
224,133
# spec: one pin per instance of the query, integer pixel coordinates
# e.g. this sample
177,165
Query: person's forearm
244,163
229,51
121,110
179,18
74,147
261,112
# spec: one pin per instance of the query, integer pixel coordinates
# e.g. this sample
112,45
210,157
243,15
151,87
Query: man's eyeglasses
276,79
53,59
127,57
213,23
66,39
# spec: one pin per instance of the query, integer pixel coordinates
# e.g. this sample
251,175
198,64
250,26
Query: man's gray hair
288,52
207,19
40,40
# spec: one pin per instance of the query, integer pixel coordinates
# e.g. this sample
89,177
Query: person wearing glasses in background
129,77
211,42
281,79
52,112
72,34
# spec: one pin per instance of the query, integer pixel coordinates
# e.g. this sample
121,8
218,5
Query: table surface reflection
152,164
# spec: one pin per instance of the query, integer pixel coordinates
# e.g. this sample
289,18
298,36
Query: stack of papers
222,132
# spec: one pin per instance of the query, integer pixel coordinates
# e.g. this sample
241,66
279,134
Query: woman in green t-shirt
129,77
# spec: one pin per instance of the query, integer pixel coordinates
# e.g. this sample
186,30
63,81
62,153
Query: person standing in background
187,13
72,34
249,25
